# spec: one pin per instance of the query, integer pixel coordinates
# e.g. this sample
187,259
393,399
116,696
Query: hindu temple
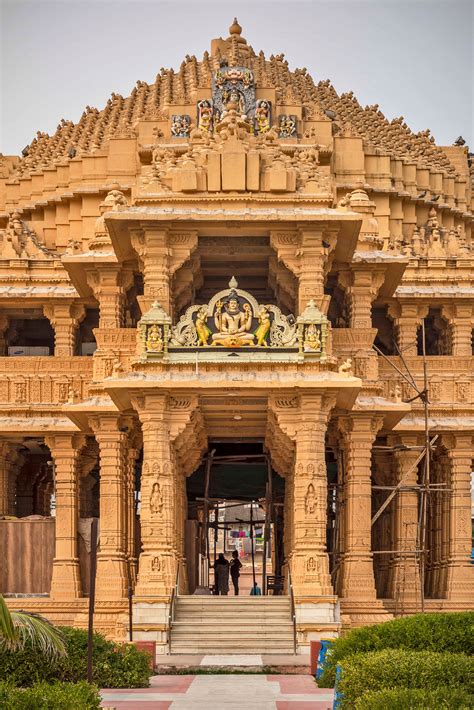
236,287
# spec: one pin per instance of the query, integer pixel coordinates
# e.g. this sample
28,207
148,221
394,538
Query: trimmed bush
42,696
452,632
114,665
415,698
398,668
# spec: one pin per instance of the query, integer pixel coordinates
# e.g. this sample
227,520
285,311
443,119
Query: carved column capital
110,283
64,318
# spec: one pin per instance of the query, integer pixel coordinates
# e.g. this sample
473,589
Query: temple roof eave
121,389
207,220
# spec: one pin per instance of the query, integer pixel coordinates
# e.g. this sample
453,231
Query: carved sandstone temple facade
120,238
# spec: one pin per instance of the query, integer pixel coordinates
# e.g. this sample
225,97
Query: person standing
235,567
221,575
255,591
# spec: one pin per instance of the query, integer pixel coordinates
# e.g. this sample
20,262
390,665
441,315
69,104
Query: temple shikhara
236,287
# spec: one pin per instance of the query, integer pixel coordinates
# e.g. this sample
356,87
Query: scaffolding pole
425,487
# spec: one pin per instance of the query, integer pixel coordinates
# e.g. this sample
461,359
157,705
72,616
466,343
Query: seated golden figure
154,341
312,339
233,324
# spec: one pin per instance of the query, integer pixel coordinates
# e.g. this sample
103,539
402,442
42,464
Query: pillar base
156,574
150,622
112,579
459,583
316,617
65,580
363,613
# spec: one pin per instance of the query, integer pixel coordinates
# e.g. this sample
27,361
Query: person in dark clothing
221,575
235,566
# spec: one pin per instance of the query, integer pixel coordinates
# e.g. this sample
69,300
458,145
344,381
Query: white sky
414,58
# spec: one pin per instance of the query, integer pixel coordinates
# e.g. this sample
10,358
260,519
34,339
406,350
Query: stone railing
451,379
44,380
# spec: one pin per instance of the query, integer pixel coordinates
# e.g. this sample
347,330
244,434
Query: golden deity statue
154,341
312,339
263,327
205,115
202,328
232,323
262,116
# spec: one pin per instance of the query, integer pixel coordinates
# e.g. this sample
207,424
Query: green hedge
398,668
114,665
415,699
42,696
453,632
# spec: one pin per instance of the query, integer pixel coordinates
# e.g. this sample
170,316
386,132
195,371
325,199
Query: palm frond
18,627
7,629
40,632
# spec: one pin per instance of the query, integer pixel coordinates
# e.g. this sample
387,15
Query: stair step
251,601
201,616
232,625
231,650
278,635
243,624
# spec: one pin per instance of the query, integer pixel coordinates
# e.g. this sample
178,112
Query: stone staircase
232,625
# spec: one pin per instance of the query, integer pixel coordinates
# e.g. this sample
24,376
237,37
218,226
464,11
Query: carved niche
234,85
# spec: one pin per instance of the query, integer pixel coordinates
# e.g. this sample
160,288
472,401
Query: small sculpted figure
263,327
154,341
205,115
312,341
202,328
287,127
262,117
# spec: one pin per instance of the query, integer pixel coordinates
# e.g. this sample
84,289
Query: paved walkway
230,692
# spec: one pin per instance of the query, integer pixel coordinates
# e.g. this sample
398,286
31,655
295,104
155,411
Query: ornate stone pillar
65,319
383,527
3,330
361,286
110,284
131,459
405,572
357,576
460,573
159,558
163,419
305,422
112,572
162,252
461,320
311,267
462,337
6,494
407,318
306,257
65,450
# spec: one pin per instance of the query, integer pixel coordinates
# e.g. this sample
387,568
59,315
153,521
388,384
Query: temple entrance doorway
235,505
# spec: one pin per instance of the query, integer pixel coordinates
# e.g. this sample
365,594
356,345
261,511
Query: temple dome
120,115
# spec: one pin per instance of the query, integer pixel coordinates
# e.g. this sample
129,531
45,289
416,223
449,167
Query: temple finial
235,28
233,282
